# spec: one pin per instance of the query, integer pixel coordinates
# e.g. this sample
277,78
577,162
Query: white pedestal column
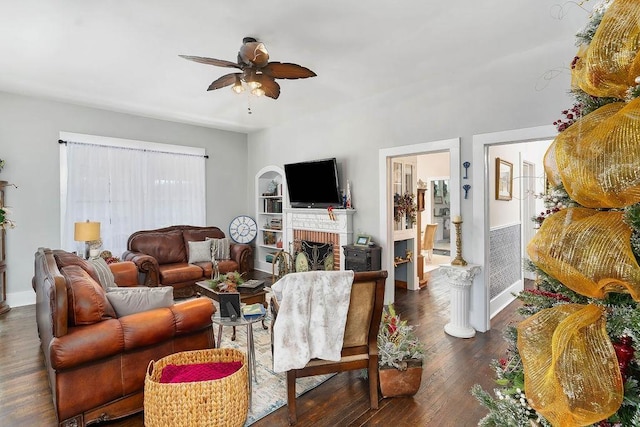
459,279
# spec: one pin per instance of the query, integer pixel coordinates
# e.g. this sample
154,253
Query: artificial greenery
227,282
405,206
397,341
5,222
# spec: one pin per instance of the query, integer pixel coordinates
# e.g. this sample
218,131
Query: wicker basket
222,402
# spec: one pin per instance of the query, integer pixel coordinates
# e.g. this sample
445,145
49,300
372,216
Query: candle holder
458,260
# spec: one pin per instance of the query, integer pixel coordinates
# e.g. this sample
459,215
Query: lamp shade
86,231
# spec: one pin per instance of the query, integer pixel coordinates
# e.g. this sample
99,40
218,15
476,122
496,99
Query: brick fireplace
316,225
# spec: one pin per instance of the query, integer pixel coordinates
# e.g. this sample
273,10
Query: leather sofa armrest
125,273
147,328
243,255
193,315
85,344
146,264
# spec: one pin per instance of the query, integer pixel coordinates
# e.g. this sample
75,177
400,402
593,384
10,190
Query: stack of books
251,286
253,310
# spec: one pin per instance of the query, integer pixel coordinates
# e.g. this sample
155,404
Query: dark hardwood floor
452,367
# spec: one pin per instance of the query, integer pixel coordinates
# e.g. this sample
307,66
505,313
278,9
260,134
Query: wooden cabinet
4,307
270,201
362,258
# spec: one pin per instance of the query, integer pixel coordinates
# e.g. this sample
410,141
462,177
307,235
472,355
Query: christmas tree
571,360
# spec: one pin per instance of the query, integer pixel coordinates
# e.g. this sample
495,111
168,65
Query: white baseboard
18,299
505,298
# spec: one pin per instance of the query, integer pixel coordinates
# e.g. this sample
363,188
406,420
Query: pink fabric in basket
198,372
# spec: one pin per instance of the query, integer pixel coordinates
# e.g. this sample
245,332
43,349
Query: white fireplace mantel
314,219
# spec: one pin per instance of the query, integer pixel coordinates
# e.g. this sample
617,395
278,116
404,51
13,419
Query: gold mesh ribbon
608,66
598,157
550,165
588,251
571,372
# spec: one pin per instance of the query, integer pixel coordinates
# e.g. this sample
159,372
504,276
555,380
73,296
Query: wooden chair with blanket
359,346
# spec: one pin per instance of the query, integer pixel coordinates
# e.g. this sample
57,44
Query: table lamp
86,232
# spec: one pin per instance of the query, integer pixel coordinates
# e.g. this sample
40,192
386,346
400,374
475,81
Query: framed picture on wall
504,179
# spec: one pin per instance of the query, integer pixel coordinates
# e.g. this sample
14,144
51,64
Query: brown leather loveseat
162,257
96,362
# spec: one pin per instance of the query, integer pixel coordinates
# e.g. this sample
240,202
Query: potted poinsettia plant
400,356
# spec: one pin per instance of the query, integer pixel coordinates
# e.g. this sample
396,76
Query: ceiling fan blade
226,80
269,85
285,70
211,61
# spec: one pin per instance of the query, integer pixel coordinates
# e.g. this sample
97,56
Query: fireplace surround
318,225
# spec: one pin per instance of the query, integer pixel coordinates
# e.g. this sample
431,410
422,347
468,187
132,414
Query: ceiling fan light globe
237,88
258,91
254,85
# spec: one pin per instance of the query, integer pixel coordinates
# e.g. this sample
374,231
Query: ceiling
123,55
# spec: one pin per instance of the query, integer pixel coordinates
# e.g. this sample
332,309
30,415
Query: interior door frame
386,197
479,314
528,210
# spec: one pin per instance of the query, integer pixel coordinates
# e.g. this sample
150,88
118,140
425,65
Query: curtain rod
60,141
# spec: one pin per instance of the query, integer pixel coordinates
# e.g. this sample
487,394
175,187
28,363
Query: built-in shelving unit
270,201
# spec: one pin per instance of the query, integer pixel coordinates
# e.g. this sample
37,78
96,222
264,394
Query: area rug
269,388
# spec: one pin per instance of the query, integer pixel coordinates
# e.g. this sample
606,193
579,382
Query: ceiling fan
255,70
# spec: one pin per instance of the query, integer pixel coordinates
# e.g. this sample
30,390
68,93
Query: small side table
247,321
460,279
260,297
362,258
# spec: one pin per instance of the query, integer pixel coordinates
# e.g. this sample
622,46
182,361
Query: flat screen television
313,184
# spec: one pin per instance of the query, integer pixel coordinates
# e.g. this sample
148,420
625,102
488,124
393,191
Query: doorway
386,227
481,312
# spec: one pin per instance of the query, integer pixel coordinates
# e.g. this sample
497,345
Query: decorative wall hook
466,189
466,169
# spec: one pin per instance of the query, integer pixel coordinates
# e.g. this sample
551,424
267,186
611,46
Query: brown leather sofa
162,257
97,362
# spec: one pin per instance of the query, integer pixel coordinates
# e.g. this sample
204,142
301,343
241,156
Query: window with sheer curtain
128,186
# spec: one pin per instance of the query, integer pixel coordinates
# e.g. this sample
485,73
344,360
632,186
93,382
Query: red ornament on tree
624,353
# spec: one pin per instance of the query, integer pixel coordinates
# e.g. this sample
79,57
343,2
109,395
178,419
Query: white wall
510,93
525,90
504,212
29,131
483,98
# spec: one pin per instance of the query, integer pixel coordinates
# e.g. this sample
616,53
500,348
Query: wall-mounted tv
313,184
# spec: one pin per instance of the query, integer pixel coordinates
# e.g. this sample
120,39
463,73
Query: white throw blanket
311,318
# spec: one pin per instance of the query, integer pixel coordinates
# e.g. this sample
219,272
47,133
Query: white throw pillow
220,248
199,251
127,301
104,272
